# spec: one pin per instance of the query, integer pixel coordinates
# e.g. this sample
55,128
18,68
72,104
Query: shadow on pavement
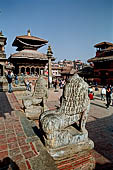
106,166
101,132
97,97
98,105
39,133
7,164
5,106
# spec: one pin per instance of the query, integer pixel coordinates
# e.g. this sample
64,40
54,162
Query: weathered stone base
79,161
70,150
34,112
4,89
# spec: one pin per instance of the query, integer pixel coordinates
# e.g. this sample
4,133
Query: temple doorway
37,70
28,70
32,70
23,70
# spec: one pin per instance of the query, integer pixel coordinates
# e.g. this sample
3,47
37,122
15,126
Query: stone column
25,71
49,54
3,70
34,70
39,71
30,71
19,70
42,72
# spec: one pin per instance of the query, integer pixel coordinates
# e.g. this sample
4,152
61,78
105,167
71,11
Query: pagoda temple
28,60
2,53
103,63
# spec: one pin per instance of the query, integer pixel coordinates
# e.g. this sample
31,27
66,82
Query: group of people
10,76
28,85
107,93
59,83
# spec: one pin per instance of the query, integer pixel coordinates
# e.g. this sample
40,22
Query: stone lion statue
66,125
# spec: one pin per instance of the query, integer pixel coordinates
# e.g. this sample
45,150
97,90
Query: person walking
16,79
103,93
28,85
108,96
9,79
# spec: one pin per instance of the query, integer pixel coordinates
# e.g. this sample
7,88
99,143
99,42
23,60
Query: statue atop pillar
49,54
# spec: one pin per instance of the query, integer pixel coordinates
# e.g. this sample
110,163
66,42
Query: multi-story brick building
103,63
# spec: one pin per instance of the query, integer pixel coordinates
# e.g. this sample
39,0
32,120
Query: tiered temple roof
104,53
27,46
30,54
28,42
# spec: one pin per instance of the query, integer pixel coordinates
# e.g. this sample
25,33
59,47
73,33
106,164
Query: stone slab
70,150
44,161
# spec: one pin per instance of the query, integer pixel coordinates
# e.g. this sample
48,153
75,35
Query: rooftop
100,59
30,54
100,45
28,40
109,48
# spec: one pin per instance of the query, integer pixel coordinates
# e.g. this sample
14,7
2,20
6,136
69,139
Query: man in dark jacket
9,79
108,96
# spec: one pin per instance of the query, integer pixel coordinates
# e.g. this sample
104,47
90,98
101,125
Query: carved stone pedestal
74,156
69,150
79,161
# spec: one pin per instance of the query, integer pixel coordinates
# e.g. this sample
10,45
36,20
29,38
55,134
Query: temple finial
1,33
29,32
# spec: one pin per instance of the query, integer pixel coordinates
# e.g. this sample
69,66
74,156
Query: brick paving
16,152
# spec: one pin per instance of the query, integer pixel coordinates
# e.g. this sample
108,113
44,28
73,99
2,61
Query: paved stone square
16,151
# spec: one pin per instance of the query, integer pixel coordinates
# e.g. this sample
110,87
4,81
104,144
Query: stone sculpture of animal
66,125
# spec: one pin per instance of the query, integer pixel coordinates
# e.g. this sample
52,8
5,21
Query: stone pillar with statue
49,54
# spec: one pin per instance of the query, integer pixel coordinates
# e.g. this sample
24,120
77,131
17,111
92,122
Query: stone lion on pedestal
65,127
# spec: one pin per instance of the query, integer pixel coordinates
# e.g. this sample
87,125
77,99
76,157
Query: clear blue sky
72,27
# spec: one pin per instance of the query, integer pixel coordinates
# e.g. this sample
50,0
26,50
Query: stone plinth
69,150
